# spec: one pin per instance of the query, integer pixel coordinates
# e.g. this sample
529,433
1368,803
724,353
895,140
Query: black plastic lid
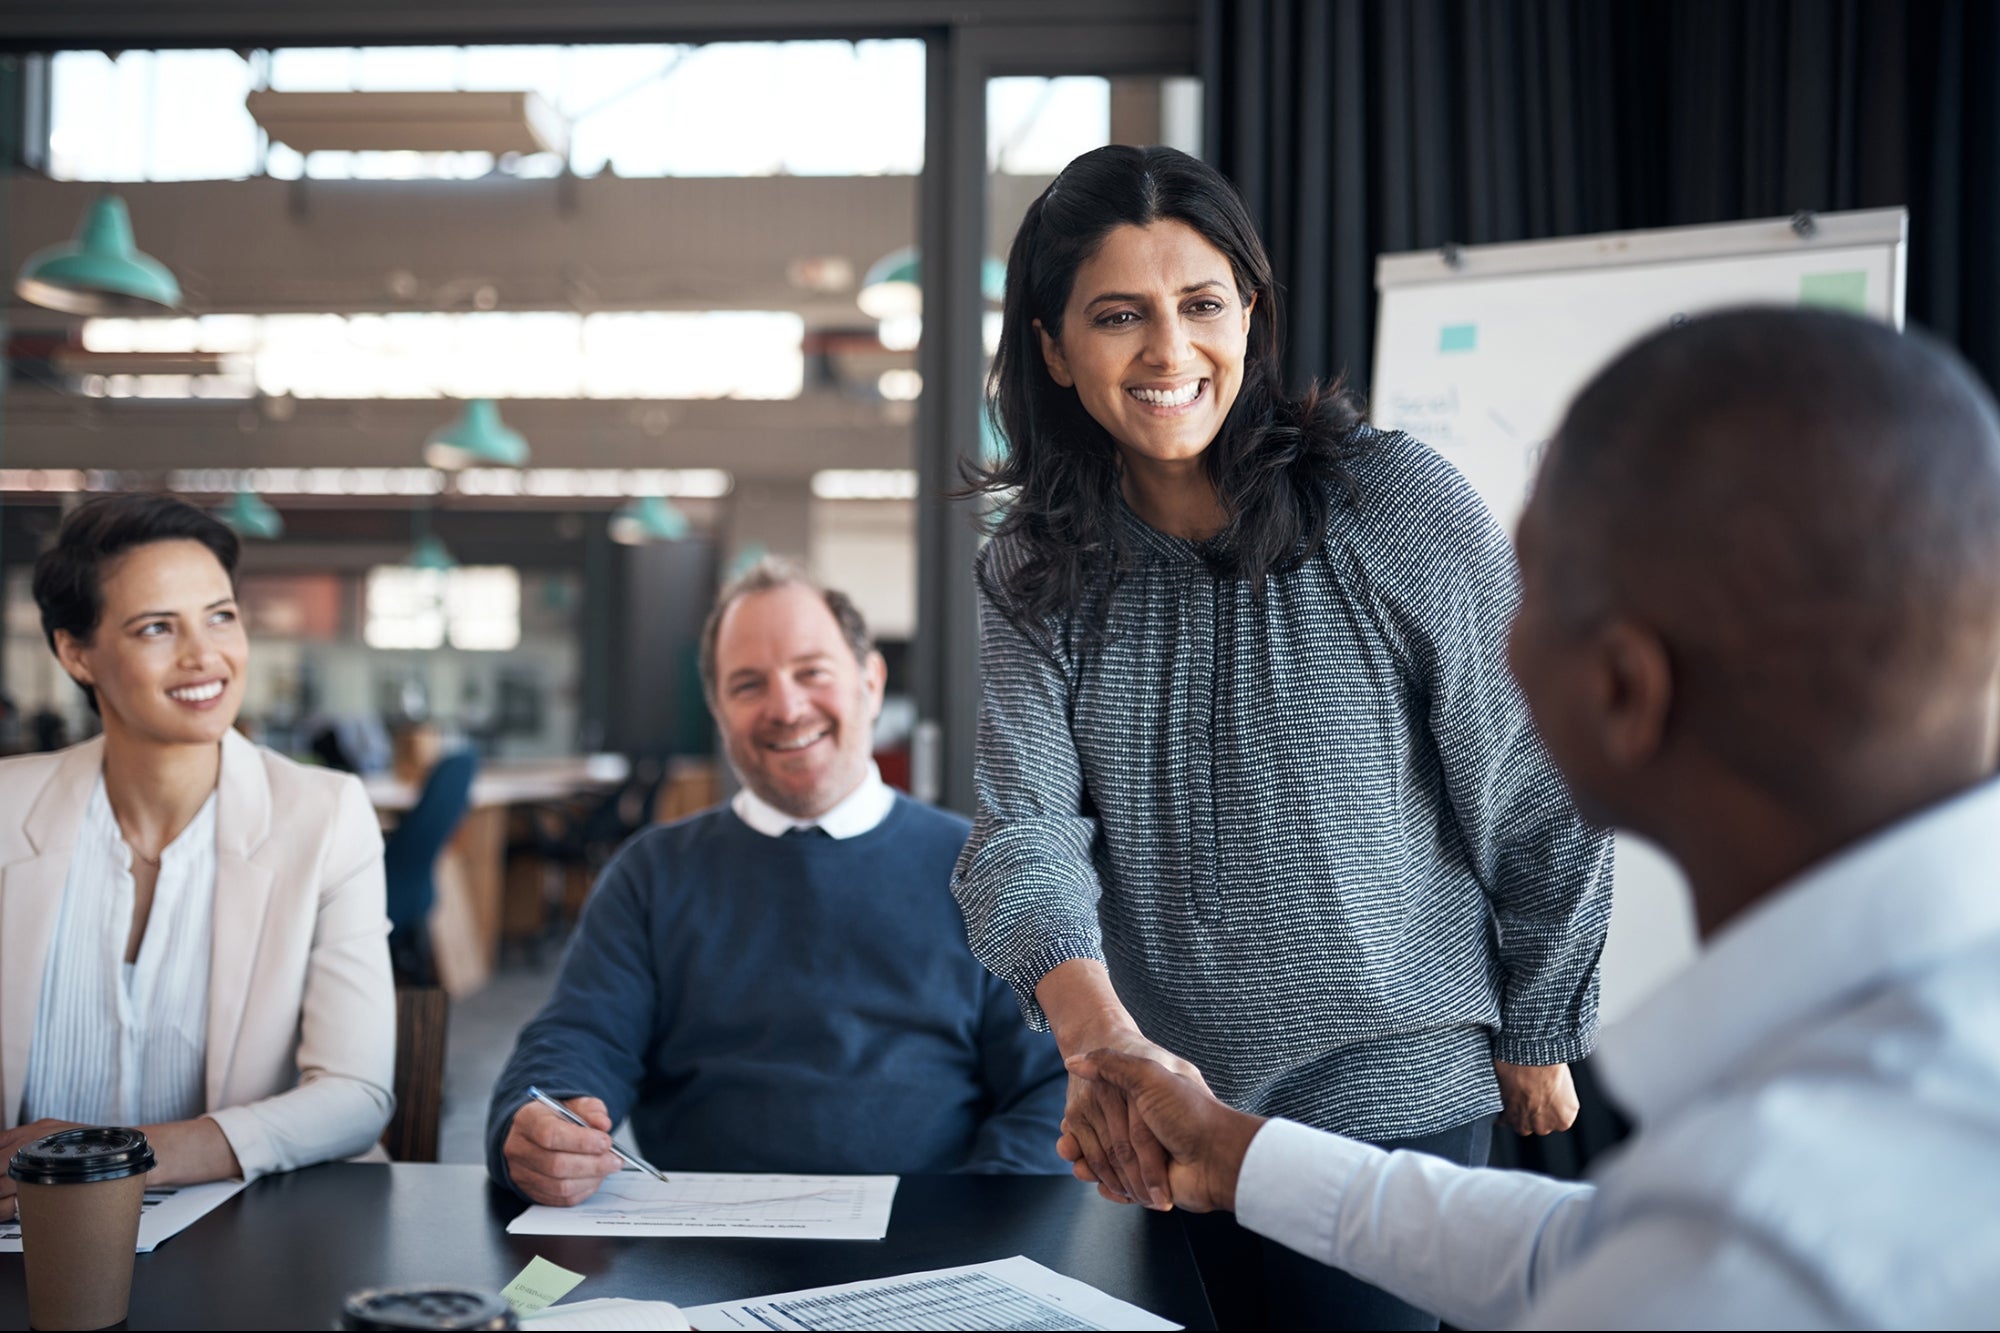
437,1306
83,1156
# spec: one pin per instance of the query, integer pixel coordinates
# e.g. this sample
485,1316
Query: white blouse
120,1043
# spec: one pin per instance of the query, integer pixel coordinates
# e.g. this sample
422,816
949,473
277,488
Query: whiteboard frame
1658,245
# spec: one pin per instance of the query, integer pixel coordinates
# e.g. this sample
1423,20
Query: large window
725,109
470,606
492,354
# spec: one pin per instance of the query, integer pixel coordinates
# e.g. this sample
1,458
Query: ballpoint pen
575,1119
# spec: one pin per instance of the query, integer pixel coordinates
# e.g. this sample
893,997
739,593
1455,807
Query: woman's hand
1536,1099
190,1152
185,1152
1104,1138
11,1142
1206,1140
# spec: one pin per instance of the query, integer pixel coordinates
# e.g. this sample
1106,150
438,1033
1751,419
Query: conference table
286,1251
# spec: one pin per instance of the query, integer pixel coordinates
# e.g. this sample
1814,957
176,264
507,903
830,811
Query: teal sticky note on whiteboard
1458,337
1840,291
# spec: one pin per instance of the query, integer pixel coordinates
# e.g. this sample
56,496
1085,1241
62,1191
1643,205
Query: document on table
605,1314
165,1214
696,1203
1010,1293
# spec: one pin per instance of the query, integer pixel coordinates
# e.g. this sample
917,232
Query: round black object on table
430,1308
83,1156
287,1251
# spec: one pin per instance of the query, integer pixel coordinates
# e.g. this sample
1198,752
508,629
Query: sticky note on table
540,1285
1841,291
1458,337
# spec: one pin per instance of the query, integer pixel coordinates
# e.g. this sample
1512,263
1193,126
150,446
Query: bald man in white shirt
1760,626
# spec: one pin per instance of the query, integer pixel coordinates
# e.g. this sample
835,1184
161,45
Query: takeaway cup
424,1309
80,1192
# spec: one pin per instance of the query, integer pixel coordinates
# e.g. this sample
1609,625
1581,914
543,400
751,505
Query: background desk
284,1252
465,922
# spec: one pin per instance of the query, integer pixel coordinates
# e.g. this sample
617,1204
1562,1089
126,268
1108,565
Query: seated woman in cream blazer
192,936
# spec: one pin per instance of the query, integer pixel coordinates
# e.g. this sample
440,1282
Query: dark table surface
284,1252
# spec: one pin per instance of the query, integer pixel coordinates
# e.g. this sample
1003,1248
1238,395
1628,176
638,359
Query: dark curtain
1361,127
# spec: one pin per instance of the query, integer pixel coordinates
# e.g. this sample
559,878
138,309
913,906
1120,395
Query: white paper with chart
164,1214
1008,1293
698,1203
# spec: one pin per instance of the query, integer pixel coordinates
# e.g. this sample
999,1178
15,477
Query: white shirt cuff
1292,1182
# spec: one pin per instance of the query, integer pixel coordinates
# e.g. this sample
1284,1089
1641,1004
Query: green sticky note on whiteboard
1458,337
1841,291
540,1285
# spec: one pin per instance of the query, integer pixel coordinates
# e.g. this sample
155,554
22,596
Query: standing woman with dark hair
192,937
1257,797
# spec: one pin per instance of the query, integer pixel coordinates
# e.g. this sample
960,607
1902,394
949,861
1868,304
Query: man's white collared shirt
857,813
1818,1101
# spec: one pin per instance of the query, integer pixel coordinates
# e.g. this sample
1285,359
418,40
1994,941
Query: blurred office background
504,332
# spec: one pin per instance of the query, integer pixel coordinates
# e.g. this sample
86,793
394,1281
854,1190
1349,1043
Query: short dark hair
1808,503
768,575
1279,462
69,576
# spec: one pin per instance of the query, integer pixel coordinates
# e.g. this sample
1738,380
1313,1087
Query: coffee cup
80,1193
433,1308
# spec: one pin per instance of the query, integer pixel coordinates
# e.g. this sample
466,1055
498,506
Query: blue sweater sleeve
592,1037
1026,1080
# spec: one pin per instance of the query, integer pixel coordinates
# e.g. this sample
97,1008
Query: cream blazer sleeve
301,1004
312,1055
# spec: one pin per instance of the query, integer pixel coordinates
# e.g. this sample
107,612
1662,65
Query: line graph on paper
695,1203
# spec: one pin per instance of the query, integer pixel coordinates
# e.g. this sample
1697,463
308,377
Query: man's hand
11,1142
554,1162
1205,1139
1105,1138
1536,1099
1102,1137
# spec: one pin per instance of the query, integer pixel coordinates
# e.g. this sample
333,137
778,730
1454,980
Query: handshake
1141,1124
1146,1129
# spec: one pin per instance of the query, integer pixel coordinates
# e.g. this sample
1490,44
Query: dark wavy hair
1277,464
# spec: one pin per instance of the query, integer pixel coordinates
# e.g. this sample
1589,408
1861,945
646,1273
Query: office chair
409,863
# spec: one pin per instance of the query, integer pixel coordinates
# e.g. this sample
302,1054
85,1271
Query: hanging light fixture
647,519
248,515
430,553
893,284
101,272
477,438
892,293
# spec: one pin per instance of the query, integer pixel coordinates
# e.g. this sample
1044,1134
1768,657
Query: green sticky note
1842,291
540,1285
1458,337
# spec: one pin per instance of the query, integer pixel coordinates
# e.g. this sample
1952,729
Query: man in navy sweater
782,983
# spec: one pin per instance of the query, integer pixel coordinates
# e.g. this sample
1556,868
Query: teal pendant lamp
893,285
101,272
247,515
478,438
430,553
647,519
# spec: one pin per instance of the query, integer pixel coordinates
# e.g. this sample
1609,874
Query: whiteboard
1479,350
